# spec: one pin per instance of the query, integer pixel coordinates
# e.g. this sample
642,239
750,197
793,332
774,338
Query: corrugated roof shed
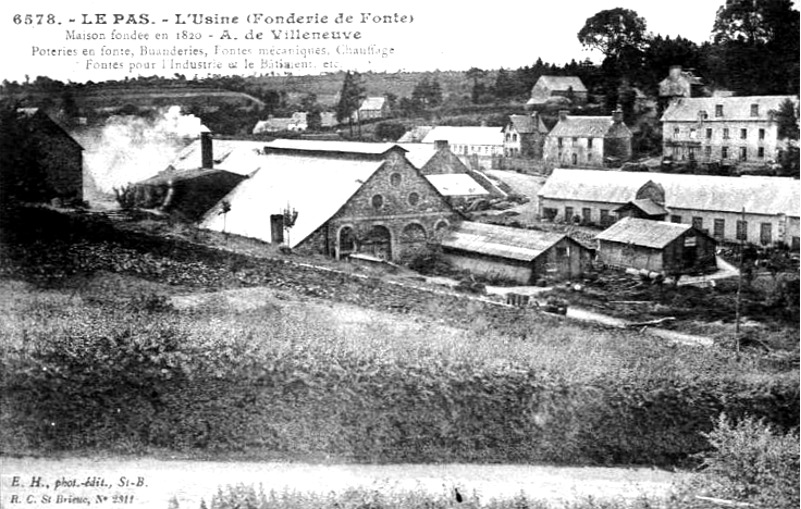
643,232
317,187
501,241
456,184
734,108
758,195
466,135
570,126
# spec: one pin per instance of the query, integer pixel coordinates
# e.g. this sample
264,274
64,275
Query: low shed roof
501,241
643,232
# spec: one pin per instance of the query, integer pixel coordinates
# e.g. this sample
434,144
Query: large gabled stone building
587,141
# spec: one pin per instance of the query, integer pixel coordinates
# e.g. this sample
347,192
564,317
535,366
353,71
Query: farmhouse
336,198
760,210
60,157
514,254
372,108
571,88
656,246
587,141
728,130
524,136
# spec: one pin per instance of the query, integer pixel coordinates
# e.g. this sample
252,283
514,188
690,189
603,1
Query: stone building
589,142
656,246
514,254
759,210
727,130
336,198
59,156
548,88
372,108
524,136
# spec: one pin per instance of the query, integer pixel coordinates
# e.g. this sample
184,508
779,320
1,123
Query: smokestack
440,144
563,115
206,150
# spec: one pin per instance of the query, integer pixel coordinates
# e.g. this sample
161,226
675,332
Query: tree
787,120
22,176
756,47
504,85
350,98
314,119
613,30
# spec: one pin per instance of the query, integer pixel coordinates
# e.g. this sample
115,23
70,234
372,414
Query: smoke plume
128,149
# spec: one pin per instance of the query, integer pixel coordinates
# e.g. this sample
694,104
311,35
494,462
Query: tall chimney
206,150
440,144
563,115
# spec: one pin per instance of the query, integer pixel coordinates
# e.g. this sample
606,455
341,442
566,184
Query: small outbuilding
514,254
656,246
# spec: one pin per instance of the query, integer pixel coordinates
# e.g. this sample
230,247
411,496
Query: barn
514,254
656,246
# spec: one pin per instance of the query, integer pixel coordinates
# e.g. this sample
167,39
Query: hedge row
150,385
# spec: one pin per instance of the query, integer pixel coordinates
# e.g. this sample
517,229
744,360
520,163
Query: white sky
445,36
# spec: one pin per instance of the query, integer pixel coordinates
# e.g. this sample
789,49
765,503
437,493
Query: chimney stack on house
563,115
440,144
674,72
617,116
206,150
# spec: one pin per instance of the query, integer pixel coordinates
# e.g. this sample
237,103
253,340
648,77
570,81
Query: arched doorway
378,242
347,242
413,237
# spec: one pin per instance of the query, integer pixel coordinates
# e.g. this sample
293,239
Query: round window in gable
395,179
378,201
414,199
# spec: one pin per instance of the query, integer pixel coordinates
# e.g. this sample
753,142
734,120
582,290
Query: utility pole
739,288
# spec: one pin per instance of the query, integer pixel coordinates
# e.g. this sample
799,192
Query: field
129,343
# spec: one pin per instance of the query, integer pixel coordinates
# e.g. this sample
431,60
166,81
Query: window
575,141
743,134
693,133
708,152
761,152
559,142
708,133
761,134
414,199
589,142
605,218
724,152
765,233
795,244
675,219
568,213
395,179
725,133
378,201
754,110
720,227
549,214
743,153
691,153
742,230
718,110
698,222
690,241
589,157
586,215
676,132
575,159
514,137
